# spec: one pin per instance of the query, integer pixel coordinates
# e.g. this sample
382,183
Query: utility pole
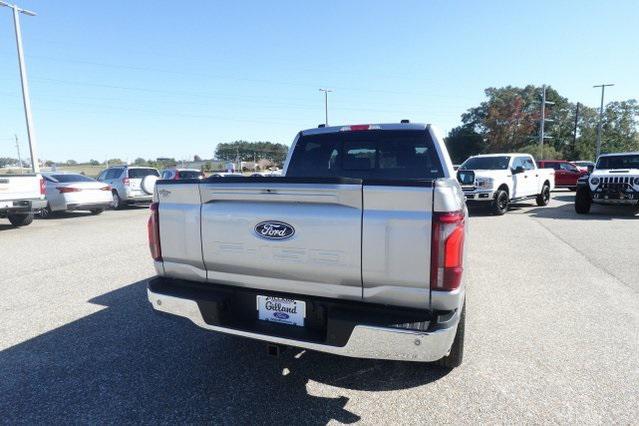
574,134
543,120
19,157
326,92
35,165
603,88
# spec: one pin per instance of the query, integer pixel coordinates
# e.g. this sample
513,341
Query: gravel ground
552,335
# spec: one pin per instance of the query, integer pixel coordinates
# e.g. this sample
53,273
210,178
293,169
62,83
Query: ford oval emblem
274,230
280,315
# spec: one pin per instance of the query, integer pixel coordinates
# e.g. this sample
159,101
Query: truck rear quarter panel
396,244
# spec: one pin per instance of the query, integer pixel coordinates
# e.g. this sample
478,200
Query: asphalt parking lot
552,334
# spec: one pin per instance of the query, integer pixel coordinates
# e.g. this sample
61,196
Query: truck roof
619,153
372,126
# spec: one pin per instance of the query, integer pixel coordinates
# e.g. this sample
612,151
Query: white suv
130,185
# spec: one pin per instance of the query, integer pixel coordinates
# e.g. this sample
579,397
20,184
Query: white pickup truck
499,179
20,197
356,250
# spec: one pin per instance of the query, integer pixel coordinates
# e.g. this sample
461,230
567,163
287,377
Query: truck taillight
153,228
42,187
446,264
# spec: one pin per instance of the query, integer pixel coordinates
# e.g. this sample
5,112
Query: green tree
249,151
139,161
94,162
462,142
72,163
550,152
197,158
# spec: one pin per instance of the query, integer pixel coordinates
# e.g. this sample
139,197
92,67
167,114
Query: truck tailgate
24,187
320,255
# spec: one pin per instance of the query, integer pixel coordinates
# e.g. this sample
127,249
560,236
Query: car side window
102,176
568,167
113,174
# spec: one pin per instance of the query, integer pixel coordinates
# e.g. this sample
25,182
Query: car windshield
68,178
486,163
190,174
140,173
619,162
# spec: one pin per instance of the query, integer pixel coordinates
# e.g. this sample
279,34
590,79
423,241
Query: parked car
614,180
175,173
73,191
586,166
499,179
566,174
20,197
130,185
356,250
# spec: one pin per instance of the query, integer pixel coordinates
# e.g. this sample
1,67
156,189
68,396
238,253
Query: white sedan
73,191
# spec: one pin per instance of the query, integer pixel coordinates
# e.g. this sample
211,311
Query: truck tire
499,206
543,198
456,355
22,219
583,200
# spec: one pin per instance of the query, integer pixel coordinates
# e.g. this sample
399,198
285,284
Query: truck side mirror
590,168
518,170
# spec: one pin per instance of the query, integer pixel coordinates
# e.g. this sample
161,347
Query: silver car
130,185
73,191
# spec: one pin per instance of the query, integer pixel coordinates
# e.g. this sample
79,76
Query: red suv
566,174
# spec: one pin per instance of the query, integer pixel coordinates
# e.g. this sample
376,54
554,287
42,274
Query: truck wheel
22,219
117,201
583,201
456,355
544,196
499,206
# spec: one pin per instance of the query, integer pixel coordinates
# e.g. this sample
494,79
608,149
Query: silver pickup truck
356,250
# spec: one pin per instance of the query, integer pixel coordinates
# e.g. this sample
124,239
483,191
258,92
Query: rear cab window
369,154
141,173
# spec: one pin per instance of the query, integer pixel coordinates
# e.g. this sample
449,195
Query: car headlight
636,181
595,181
484,182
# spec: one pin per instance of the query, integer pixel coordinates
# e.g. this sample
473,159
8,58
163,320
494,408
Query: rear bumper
89,206
343,328
23,206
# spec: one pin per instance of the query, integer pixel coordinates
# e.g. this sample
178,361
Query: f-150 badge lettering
274,230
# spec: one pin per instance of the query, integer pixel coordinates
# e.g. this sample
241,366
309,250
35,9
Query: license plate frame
281,310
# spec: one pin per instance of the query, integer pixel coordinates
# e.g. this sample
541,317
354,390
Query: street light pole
35,165
326,91
19,157
603,88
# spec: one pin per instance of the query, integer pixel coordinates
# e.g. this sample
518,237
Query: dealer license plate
281,310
